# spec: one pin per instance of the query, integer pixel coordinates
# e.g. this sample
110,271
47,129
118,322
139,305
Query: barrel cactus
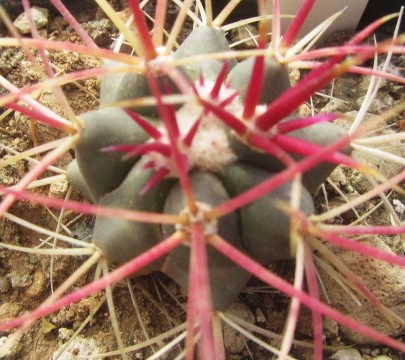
125,160
199,164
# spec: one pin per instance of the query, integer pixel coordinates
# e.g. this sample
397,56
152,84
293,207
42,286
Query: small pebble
37,286
4,284
259,315
398,206
65,333
375,352
382,357
346,354
58,189
40,16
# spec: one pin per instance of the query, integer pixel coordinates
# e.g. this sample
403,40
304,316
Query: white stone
9,346
40,16
346,354
79,348
398,206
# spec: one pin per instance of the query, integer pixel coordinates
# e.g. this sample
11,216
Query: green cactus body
226,278
321,134
265,228
122,240
104,171
221,166
203,40
275,79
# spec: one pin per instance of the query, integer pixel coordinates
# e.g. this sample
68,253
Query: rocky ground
25,280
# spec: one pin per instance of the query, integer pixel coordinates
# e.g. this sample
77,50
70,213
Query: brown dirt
29,275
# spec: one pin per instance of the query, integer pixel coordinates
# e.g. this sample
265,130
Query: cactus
198,165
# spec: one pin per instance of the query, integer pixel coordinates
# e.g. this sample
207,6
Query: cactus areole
220,163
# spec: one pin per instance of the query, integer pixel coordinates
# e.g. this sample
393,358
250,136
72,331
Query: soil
27,279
